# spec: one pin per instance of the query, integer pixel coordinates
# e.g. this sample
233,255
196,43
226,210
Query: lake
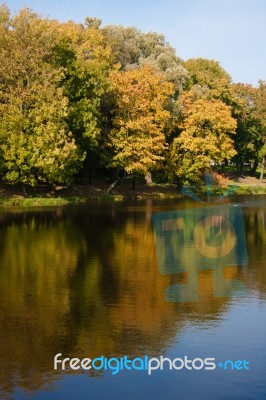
102,280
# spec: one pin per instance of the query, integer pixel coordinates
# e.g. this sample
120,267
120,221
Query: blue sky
232,32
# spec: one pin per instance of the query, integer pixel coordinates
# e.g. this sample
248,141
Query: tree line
82,99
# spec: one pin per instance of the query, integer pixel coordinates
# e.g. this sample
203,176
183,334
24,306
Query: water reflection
84,282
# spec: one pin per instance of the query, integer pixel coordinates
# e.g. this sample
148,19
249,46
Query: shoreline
13,197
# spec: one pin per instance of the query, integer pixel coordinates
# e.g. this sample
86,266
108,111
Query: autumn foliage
78,97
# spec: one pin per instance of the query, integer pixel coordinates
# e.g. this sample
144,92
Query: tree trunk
24,190
117,179
110,188
148,178
253,167
262,169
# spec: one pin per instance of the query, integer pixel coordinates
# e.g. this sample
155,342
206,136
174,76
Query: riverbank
15,196
41,196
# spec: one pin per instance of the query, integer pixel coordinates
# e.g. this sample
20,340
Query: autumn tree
260,114
210,75
248,140
86,60
35,141
205,136
138,137
133,48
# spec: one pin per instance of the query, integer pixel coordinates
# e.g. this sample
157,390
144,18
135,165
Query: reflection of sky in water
229,338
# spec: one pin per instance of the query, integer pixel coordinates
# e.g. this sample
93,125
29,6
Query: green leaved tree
35,141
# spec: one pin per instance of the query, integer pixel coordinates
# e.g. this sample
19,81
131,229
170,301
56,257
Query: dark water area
86,282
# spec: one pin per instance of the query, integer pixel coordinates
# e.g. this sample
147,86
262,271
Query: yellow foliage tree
205,136
138,137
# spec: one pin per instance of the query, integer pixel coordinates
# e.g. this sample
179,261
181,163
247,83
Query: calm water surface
84,282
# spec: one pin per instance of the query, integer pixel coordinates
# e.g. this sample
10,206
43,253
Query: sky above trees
231,32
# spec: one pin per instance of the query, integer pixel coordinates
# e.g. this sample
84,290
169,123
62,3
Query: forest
82,100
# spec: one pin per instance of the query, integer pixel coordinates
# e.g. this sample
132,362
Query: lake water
92,281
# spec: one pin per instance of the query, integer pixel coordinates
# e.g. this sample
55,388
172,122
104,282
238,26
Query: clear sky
232,32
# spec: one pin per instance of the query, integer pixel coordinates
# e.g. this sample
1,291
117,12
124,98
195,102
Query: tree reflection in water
84,281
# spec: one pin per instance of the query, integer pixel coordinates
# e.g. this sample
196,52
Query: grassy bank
20,201
251,190
41,196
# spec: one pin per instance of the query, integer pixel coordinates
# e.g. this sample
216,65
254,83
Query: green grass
20,201
251,190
